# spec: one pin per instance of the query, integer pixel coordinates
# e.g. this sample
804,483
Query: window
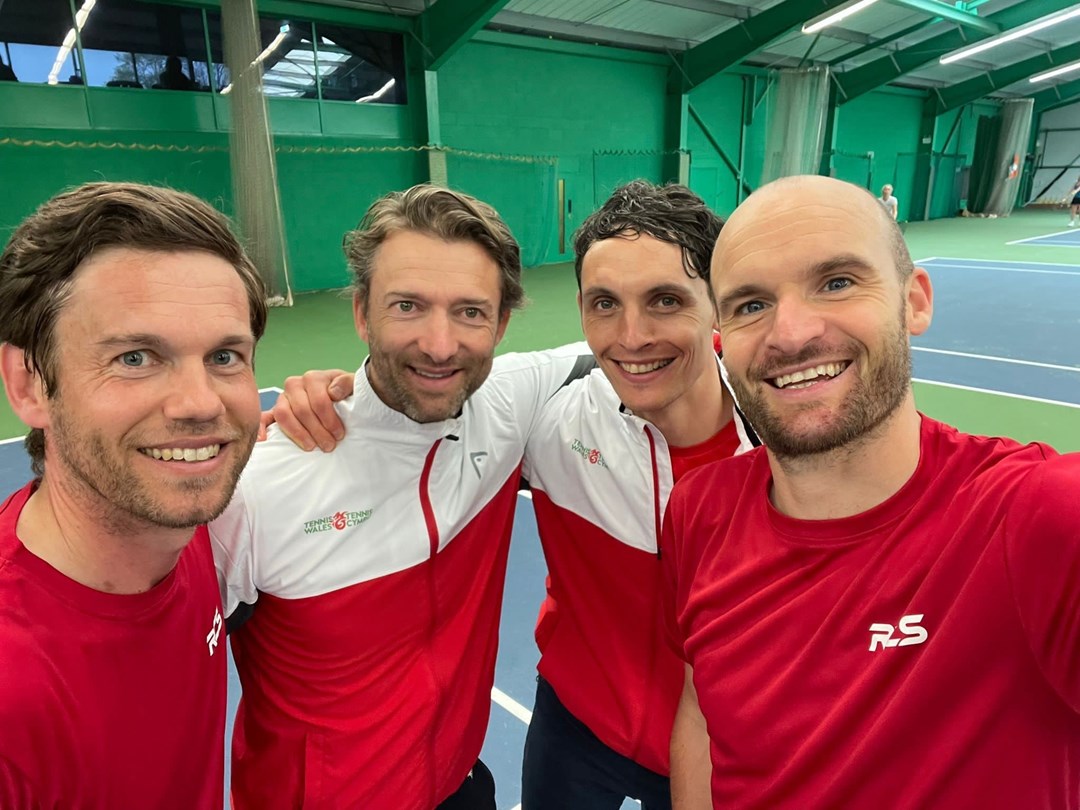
140,45
361,66
34,42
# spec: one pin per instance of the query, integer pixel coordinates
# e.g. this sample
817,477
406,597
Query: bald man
877,610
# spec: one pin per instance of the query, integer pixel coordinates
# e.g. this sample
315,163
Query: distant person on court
371,578
173,77
130,320
892,205
601,462
1074,204
877,611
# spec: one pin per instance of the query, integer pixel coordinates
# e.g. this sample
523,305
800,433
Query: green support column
676,163
424,105
919,194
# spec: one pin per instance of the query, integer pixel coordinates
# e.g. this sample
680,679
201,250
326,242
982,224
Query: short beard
118,498
397,395
865,410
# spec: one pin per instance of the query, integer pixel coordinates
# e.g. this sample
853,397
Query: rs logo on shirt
215,632
911,633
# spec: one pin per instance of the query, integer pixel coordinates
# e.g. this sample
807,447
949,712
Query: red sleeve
669,590
15,790
1042,558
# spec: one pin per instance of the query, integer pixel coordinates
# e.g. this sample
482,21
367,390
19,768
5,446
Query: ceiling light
1009,36
1052,74
836,16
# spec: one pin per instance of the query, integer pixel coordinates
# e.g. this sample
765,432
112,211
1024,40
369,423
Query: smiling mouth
642,368
182,453
804,378
434,375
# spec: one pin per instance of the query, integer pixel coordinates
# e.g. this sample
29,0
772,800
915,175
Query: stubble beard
865,410
391,371
125,501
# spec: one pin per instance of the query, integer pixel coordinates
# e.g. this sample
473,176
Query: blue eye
750,308
604,304
135,359
668,301
834,284
224,357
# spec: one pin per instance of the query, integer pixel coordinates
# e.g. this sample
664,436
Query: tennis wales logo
590,454
336,522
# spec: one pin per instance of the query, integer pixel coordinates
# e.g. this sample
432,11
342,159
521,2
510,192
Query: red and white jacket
374,579
601,478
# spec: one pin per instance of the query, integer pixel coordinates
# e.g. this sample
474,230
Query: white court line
11,441
1036,238
991,262
520,712
997,359
997,393
1007,269
525,493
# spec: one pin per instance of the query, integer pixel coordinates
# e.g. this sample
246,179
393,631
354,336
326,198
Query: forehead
633,263
786,233
122,290
430,266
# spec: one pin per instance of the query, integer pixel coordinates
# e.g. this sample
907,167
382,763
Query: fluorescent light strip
834,18
69,41
1053,74
1009,36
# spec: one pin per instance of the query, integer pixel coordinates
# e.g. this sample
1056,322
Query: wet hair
671,213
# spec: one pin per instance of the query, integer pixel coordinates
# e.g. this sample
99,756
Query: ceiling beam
865,78
951,13
718,7
746,38
1057,96
516,21
957,95
891,38
448,24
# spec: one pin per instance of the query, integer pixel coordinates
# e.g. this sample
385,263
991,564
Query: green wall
885,122
528,96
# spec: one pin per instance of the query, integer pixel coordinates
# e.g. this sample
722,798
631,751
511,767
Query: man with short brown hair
130,320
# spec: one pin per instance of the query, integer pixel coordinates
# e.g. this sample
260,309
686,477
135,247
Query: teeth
807,375
433,375
643,368
183,453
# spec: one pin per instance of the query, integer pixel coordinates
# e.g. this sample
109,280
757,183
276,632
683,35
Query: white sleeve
231,539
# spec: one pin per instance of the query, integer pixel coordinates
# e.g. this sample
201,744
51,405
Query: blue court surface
1006,328
1069,238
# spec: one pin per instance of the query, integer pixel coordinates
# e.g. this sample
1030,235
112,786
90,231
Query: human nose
794,325
438,340
634,329
194,396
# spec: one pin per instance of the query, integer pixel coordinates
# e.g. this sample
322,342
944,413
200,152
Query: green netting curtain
796,123
256,196
1000,146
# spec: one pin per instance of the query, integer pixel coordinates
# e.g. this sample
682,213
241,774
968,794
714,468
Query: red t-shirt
925,653
109,701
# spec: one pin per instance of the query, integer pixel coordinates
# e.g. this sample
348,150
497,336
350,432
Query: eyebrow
147,340
848,261
659,289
